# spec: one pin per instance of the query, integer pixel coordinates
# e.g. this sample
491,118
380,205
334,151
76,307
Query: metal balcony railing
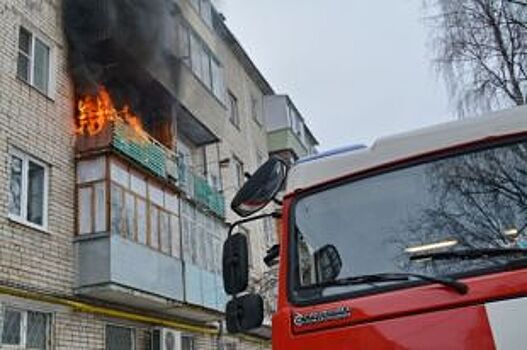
199,189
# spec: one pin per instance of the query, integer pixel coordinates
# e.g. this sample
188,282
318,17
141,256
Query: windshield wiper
469,253
459,287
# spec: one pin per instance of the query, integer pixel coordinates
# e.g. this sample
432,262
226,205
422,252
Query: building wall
42,127
245,143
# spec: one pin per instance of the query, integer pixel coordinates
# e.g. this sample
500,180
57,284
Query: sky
356,69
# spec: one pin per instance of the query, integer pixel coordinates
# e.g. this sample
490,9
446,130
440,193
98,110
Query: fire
95,112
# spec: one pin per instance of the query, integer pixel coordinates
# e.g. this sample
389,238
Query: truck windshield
383,223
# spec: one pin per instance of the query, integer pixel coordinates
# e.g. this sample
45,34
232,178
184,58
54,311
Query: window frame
256,110
22,218
132,330
33,38
234,109
238,172
199,53
192,338
24,326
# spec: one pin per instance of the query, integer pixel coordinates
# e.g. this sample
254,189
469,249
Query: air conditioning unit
166,339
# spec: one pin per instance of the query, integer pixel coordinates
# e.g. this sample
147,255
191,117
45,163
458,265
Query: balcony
134,241
285,139
147,153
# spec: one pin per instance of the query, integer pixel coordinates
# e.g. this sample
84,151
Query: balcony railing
199,189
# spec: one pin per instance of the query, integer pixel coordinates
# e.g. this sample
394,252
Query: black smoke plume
123,44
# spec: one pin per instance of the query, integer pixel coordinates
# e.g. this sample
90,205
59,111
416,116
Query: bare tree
481,51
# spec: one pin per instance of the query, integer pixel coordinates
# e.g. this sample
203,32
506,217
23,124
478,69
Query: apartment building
114,185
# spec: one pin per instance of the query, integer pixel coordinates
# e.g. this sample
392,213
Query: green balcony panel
144,151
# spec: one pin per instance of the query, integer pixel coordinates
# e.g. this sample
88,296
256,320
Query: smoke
112,42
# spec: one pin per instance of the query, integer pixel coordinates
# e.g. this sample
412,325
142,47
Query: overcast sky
356,69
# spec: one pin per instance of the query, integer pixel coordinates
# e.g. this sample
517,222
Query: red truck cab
417,242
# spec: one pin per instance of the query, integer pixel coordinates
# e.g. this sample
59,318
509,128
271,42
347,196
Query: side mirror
244,313
261,187
328,263
235,264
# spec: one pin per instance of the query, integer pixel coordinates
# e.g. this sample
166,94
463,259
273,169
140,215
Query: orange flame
97,111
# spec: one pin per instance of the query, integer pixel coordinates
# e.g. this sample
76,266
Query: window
26,329
234,115
197,56
28,189
218,87
119,338
255,110
238,172
188,342
33,65
204,8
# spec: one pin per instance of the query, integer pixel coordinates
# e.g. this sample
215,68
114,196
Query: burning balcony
103,128
129,188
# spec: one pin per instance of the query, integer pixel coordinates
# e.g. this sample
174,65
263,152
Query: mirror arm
276,215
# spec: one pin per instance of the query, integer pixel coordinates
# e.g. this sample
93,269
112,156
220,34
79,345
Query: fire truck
416,242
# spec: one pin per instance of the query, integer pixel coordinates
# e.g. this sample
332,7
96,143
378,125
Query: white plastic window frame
50,91
22,218
23,327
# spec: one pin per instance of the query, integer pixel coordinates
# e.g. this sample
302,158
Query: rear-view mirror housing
261,187
235,264
244,313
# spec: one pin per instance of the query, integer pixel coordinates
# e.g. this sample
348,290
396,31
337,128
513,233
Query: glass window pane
85,210
41,68
91,170
130,215
37,329
206,12
171,203
138,184
186,232
156,195
154,227
205,66
119,175
119,338
188,343
141,221
15,187
35,196
24,41
218,87
100,207
22,68
184,43
11,327
195,50
174,229
117,210
164,232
